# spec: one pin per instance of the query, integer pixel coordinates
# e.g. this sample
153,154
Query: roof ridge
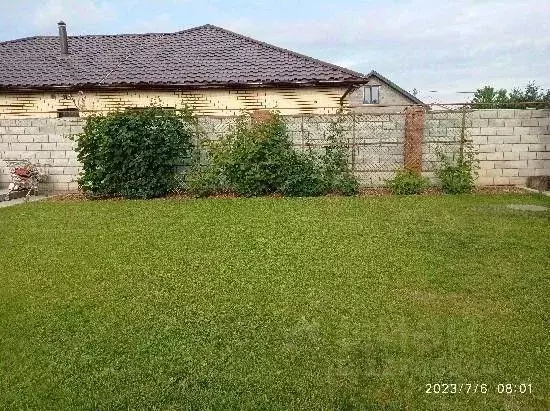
202,26
272,46
113,34
24,39
123,34
78,36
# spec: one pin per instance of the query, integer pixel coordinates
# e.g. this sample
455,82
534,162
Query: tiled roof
205,56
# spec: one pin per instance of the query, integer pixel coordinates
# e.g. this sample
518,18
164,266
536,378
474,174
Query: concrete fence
45,142
510,144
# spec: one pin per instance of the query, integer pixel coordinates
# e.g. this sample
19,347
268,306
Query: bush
258,158
457,176
206,181
337,176
303,177
456,179
133,153
407,182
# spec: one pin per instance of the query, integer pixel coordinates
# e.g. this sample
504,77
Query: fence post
462,136
414,133
353,144
262,116
302,132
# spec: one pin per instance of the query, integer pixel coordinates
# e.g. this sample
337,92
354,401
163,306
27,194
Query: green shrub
303,176
258,158
206,181
133,153
407,182
337,176
457,176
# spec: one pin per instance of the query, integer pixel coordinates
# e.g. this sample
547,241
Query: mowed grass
329,303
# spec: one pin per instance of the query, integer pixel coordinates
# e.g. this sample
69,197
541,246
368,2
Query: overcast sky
442,46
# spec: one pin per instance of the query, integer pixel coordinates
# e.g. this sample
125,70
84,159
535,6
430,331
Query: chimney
63,37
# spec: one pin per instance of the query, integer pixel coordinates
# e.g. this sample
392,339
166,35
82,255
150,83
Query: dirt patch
382,192
363,192
430,191
79,197
527,207
67,198
501,190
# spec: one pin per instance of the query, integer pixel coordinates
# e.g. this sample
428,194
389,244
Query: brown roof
204,56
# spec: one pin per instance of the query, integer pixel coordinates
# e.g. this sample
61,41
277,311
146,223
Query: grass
329,303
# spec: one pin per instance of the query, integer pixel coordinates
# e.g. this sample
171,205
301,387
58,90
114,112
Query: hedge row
136,154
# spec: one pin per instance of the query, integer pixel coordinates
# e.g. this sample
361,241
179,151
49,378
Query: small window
68,112
371,95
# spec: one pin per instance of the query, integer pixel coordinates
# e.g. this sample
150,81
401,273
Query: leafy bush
337,175
133,153
303,176
407,182
258,158
206,181
457,176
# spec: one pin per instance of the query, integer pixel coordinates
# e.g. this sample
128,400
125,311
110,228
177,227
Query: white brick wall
516,143
44,142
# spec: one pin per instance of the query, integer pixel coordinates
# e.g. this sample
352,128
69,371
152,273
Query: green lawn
329,303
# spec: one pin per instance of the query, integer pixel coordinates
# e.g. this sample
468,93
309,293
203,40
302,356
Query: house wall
318,100
511,144
390,99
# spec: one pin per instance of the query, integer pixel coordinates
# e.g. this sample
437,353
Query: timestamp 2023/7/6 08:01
478,388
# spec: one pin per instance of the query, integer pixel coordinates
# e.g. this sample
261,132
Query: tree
488,97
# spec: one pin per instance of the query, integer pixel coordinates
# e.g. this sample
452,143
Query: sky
443,49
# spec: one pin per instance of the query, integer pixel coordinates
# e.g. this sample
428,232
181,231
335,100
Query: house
216,71
379,94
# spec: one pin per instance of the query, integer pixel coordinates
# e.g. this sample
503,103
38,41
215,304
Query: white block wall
46,143
512,144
